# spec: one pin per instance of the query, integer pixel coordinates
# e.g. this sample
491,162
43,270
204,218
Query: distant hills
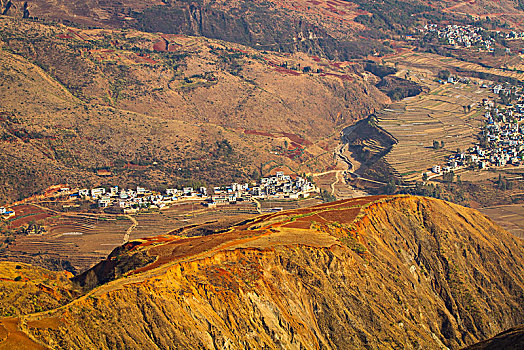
337,29
157,110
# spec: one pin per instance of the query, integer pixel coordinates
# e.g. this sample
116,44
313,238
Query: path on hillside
259,206
324,173
128,232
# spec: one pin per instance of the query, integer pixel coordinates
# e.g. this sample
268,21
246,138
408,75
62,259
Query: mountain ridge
380,273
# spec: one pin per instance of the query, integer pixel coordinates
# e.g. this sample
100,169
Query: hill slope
512,339
162,110
378,273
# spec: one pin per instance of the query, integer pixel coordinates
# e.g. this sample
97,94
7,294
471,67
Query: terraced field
83,239
80,239
427,60
511,217
438,115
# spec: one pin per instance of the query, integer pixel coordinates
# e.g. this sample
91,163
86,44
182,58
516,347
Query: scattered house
3,210
436,169
97,192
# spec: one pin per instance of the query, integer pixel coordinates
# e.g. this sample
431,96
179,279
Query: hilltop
374,272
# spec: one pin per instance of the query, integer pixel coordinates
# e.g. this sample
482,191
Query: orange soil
186,247
168,249
26,213
15,338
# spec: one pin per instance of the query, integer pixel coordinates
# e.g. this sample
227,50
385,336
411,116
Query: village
469,36
502,137
279,186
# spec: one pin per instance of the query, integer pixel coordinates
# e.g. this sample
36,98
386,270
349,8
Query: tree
441,144
448,177
444,74
425,176
327,196
390,187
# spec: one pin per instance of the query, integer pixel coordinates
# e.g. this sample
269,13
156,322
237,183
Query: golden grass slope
381,273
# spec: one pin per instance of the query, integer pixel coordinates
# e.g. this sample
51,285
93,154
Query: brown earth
100,116
402,272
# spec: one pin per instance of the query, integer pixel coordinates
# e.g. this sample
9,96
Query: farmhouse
6,214
97,192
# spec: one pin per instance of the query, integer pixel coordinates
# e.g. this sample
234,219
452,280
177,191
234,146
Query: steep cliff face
373,273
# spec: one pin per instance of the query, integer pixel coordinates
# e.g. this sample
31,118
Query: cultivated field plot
27,213
511,217
182,215
81,239
268,205
436,116
84,239
427,60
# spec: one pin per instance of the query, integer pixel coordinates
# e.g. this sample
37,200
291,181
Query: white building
171,191
98,192
113,191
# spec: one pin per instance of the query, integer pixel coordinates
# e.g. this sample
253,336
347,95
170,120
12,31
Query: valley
265,174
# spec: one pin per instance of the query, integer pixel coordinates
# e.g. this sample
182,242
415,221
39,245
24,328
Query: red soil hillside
375,273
